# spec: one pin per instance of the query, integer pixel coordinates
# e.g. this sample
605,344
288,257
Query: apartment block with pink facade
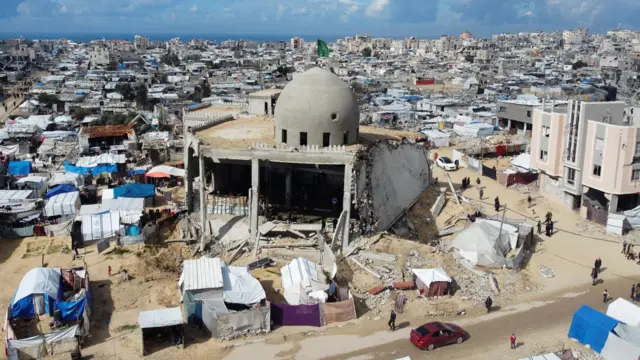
588,156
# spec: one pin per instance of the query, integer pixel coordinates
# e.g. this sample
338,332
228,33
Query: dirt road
539,326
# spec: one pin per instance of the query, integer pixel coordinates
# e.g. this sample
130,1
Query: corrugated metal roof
204,273
160,318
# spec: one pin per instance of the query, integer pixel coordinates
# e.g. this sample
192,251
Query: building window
543,155
326,139
597,170
284,136
635,175
303,139
345,137
637,149
546,131
528,113
571,176
502,109
599,144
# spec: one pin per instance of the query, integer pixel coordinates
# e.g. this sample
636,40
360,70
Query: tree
113,65
47,99
142,96
578,65
206,89
366,52
284,70
126,91
170,59
469,58
192,57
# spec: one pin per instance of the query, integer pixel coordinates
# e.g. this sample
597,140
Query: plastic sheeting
480,244
296,315
624,311
95,171
61,229
240,287
38,281
301,277
60,189
161,171
67,178
93,161
134,190
616,348
591,327
101,226
19,168
633,217
63,204
427,276
160,318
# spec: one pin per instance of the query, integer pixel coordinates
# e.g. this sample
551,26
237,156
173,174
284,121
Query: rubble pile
378,303
586,355
546,272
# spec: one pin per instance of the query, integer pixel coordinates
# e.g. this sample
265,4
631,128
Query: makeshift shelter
100,226
19,168
161,323
482,243
522,162
624,311
163,171
59,190
591,327
64,294
549,356
623,343
302,280
134,190
73,179
432,282
63,204
37,183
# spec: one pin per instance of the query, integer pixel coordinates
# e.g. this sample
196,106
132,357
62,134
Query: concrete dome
319,105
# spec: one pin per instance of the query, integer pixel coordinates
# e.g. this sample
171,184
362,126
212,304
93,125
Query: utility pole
502,221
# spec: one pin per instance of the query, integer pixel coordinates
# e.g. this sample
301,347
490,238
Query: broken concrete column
188,180
203,203
288,188
346,204
253,213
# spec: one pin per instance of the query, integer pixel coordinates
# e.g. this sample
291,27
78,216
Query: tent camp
624,311
73,179
100,226
63,294
480,244
591,327
432,282
302,278
60,189
63,204
164,171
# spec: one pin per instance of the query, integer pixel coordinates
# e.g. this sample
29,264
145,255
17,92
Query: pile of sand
157,263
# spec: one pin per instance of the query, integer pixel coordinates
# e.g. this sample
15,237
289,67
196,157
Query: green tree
47,99
578,65
113,65
206,89
366,52
126,91
284,70
142,96
170,59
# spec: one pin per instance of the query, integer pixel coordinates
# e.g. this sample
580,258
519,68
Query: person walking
512,340
109,270
624,246
547,229
605,296
488,303
529,201
496,204
481,193
633,292
630,253
598,264
539,227
392,321
478,181
594,276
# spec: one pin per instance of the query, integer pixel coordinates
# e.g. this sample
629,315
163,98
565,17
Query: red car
435,334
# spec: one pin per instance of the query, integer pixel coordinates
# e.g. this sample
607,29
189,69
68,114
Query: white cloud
280,11
63,9
300,10
376,7
194,8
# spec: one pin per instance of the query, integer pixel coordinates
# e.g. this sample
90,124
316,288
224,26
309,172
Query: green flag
323,49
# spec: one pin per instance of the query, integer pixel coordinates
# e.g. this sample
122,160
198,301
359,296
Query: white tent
91,161
522,161
301,277
38,281
624,311
63,204
165,171
67,178
240,287
623,343
482,243
102,226
427,276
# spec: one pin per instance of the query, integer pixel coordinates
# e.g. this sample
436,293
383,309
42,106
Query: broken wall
390,176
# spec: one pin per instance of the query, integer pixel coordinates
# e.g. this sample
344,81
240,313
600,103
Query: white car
446,163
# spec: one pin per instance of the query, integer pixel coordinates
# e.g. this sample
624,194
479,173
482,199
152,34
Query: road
538,325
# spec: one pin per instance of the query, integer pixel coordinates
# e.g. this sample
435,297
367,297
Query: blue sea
78,37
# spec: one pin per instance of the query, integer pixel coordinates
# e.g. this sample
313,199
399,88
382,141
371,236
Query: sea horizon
87,37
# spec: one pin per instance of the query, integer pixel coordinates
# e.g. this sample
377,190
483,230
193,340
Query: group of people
627,250
466,183
595,271
548,228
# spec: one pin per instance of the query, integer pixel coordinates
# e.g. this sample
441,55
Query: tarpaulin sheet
296,315
165,171
9,149
63,204
19,168
134,190
61,229
240,287
92,161
67,178
591,327
72,310
60,189
95,171
38,281
102,226
301,277
616,348
338,311
624,311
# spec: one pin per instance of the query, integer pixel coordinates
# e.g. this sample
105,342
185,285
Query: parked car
446,163
435,334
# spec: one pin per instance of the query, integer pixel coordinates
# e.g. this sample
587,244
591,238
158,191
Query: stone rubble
546,272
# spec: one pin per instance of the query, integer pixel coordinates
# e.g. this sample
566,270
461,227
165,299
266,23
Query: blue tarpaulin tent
95,171
60,189
591,327
20,168
134,190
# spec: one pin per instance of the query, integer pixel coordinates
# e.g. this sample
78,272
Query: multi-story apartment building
297,43
574,38
141,42
588,155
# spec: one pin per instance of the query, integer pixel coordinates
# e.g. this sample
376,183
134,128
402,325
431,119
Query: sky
291,17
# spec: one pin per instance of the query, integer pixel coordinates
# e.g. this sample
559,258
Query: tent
76,180
163,171
623,343
63,204
100,226
300,278
624,311
240,287
33,182
432,282
19,168
38,290
480,244
591,327
522,161
134,190
60,189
